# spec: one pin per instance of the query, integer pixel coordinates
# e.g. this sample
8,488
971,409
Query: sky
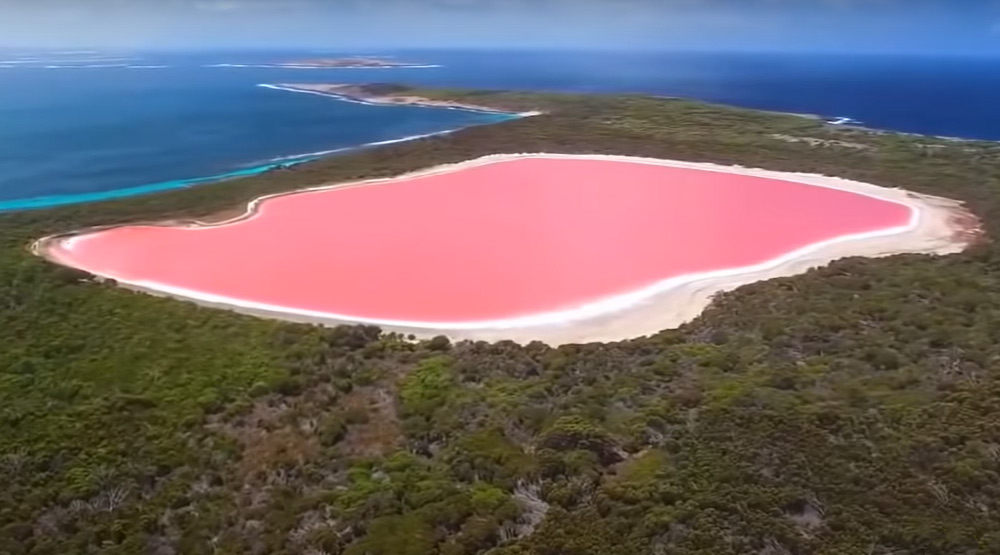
895,26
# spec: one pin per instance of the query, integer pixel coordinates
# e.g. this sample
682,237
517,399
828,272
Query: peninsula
388,94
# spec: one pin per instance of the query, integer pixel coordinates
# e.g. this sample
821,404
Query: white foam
411,138
292,157
64,61
316,66
86,66
335,96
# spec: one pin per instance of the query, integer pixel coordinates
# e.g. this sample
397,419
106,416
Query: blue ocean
85,126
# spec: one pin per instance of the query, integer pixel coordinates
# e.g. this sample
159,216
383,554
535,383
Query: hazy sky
828,25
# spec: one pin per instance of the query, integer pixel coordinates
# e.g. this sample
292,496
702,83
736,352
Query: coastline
359,94
276,163
937,226
330,91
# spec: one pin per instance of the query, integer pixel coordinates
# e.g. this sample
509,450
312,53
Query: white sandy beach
937,226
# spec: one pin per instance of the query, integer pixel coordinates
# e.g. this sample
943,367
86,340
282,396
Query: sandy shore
355,93
937,226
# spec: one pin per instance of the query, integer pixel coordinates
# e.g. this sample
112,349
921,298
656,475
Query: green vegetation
853,409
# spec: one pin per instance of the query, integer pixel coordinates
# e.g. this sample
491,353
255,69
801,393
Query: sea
83,126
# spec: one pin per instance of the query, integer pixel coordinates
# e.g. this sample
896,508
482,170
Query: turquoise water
59,200
95,196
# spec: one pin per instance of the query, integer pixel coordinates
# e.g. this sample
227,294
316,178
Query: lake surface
591,236
77,127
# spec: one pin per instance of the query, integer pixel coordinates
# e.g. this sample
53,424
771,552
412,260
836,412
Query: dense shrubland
853,409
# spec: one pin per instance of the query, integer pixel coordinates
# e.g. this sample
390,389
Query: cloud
223,6
660,24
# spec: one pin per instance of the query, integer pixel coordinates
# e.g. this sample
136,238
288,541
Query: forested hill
854,409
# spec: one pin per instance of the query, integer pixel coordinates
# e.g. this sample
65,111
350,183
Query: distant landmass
352,63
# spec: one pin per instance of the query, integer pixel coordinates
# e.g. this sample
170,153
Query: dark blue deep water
76,127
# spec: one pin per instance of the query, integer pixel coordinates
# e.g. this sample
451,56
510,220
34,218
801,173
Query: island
353,63
843,404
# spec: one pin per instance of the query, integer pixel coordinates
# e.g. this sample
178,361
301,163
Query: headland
385,94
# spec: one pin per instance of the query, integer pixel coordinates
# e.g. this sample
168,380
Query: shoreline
356,93
274,164
937,226
286,162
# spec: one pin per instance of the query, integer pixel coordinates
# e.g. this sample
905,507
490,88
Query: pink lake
489,242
